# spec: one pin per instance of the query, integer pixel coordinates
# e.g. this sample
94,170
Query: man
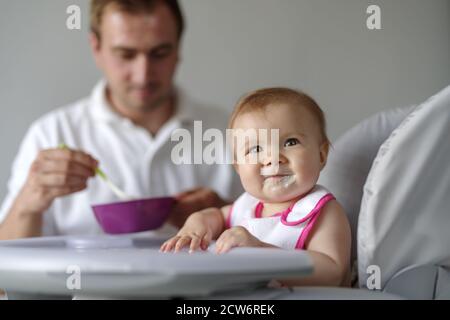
124,127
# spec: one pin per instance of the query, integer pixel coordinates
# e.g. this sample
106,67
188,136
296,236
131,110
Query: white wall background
232,46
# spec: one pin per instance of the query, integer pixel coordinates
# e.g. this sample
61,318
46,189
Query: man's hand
237,237
191,201
54,173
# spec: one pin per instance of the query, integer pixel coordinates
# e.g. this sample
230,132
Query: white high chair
391,173
405,211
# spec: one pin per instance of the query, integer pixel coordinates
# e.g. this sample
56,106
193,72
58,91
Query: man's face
138,54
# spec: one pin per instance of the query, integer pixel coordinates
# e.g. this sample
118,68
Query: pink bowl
133,216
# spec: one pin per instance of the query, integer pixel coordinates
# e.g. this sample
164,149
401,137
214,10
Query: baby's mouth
276,177
275,171
279,180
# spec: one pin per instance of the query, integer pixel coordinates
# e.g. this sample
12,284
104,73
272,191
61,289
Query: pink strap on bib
313,215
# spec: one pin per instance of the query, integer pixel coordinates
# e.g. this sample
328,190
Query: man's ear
95,45
324,148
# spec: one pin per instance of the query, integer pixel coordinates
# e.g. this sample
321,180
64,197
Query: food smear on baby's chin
279,181
275,170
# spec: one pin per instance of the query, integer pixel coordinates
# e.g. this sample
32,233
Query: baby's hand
236,237
194,234
180,241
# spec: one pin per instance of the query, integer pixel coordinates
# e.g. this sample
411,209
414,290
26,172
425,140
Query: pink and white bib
288,229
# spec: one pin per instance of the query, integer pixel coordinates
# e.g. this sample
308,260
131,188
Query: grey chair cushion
404,218
350,160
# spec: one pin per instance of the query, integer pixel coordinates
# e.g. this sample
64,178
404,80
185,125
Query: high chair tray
132,266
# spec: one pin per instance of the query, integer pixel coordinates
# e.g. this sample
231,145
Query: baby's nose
273,160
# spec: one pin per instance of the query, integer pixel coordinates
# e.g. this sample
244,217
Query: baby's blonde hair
258,101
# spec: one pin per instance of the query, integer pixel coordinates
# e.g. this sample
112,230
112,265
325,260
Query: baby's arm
200,228
329,246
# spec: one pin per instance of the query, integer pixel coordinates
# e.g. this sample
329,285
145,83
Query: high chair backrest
404,221
350,160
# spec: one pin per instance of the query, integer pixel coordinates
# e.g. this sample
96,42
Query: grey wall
321,46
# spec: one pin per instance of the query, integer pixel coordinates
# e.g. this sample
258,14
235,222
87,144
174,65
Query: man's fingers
186,193
53,193
183,206
61,180
69,155
66,167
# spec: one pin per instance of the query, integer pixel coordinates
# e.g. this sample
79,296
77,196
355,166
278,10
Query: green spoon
116,190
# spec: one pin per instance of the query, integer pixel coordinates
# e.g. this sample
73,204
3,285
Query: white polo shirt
138,163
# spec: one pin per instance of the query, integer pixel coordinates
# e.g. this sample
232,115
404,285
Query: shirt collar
102,110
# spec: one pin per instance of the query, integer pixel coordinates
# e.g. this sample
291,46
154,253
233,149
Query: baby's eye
291,142
255,149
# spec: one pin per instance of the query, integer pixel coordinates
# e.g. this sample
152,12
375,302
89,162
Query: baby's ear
324,148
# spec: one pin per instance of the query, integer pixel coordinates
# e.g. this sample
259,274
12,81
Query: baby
283,206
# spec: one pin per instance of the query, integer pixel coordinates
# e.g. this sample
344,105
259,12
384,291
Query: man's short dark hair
133,6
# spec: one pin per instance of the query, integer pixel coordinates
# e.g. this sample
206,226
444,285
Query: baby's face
301,153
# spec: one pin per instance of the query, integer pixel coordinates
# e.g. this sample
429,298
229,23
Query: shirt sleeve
33,142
